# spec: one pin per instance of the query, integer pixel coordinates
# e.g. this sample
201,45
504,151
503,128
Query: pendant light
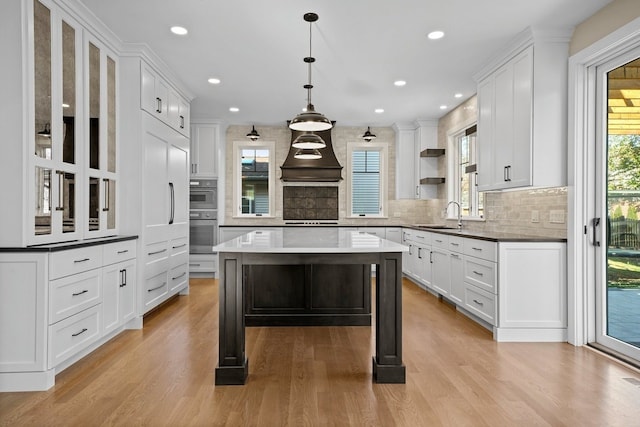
308,140
253,135
368,136
307,154
310,120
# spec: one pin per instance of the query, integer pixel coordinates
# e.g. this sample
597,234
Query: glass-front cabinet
73,130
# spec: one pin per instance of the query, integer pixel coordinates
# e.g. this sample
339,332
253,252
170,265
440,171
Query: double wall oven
203,215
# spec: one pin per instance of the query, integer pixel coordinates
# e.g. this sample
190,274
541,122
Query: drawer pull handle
420,237
477,249
157,252
81,332
455,244
180,246
79,293
123,252
439,241
478,273
455,256
480,303
179,276
81,260
157,287
194,265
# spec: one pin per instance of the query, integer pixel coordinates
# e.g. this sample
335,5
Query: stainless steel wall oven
203,194
203,215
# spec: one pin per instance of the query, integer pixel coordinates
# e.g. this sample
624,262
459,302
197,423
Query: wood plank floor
456,375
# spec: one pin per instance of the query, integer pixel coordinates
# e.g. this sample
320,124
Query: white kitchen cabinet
204,150
394,234
60,149
417,156
522,98
159,98
65,307
532,298
456,293
156,200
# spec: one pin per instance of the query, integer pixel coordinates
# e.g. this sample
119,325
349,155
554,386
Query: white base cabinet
67,304
516,289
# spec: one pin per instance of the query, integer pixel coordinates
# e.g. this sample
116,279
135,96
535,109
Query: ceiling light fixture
309,141
368,136
307,154
214,81
46,132
443,107
379,110
181,31
234,109
400,83
253,135
310,120
435,35
458,95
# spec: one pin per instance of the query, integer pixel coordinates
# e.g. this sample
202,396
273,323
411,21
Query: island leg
233,365
387,363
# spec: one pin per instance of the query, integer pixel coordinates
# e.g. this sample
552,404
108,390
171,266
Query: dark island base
389,374
308,295
232,375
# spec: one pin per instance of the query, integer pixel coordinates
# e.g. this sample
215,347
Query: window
366,179
253,178
463,176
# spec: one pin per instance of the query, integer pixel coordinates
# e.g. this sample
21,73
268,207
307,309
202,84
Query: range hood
325,169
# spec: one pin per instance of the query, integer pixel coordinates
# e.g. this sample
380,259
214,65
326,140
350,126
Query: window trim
383,149
453,186
238,146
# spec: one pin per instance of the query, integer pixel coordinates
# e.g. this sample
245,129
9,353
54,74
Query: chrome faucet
459,212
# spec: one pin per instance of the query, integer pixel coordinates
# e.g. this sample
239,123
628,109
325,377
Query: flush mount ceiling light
181,31
307,154
458,95
379,110
310,120
368,136
234,109
309,141
435,35
400,83
253,135
214,81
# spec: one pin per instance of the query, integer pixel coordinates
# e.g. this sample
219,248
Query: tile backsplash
309,203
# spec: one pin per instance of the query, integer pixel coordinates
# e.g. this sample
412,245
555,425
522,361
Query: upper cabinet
204,150
522,99
159,99
417,160
64,165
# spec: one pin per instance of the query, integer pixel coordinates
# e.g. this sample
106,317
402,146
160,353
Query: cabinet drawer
155,288
178,276
117,252
480,303
71,295
196,266
73,261
421,237
440,241
481,273
456,244
481,249
73,334
180,245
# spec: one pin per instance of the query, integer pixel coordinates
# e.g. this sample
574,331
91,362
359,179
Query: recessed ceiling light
443,107
435,35
214,81
234,109
399,83
181,31
458,95
379,110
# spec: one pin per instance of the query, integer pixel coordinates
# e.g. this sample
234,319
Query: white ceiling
361,47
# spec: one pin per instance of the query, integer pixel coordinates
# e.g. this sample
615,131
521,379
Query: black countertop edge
55,247
490,236
311,225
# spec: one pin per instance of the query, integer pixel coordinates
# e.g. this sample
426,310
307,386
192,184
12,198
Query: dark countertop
492,236
54,247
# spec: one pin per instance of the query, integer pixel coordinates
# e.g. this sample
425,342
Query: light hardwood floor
456,375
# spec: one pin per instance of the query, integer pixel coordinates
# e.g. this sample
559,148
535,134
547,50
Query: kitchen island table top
303,246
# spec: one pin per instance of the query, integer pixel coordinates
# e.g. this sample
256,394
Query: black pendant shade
368,136
253,135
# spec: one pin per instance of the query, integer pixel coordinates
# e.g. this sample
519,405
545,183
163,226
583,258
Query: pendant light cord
310,61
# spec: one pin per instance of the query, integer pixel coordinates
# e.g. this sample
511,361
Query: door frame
582,120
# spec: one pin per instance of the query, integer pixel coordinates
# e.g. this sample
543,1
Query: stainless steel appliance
203,194
203,231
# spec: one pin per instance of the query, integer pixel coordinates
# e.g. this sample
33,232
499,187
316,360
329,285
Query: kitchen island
309,247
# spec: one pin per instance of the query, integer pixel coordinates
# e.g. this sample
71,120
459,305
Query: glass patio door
617,190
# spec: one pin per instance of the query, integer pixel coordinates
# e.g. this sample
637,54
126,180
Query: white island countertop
309,240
